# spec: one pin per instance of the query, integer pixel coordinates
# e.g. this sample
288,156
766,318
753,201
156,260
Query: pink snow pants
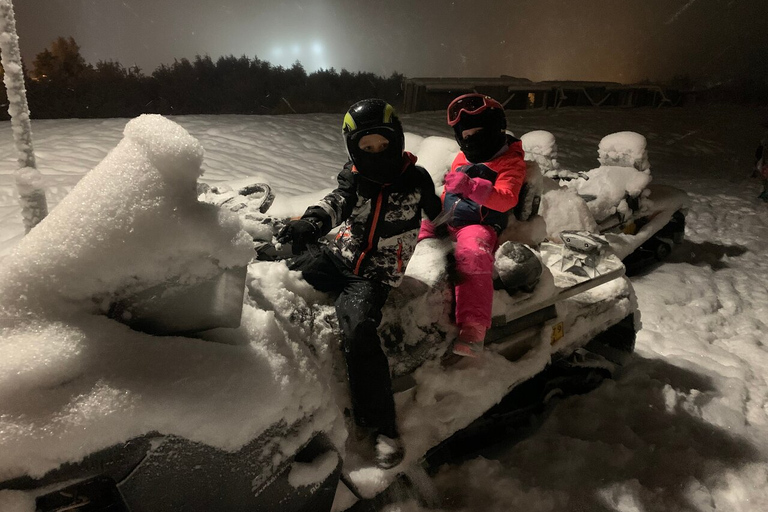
475,247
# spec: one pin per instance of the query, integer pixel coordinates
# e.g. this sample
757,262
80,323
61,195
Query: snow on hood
132,222
72,383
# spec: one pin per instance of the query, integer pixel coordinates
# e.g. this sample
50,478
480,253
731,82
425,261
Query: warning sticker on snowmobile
557,332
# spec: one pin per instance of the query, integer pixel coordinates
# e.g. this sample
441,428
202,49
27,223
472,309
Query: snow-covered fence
28,179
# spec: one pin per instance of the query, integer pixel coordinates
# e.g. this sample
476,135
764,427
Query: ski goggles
470,104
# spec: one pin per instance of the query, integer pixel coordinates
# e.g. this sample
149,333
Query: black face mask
481,146
381,168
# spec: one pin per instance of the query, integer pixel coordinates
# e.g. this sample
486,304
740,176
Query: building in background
520,93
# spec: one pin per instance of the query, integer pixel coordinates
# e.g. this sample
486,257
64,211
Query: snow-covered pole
29,181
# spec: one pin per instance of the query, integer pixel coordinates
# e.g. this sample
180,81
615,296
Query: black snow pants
358,307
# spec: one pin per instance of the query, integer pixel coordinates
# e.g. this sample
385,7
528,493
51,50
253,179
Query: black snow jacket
380,223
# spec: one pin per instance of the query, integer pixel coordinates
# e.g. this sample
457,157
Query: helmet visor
470,104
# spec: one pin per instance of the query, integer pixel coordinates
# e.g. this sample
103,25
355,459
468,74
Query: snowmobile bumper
167,473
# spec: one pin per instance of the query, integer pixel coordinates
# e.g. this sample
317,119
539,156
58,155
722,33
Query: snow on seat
607,189
618,188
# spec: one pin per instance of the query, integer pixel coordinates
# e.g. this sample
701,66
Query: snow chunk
131,223
170,148
539,142
607,188
26,365
562,210
436,154
28,180
624,149
540,147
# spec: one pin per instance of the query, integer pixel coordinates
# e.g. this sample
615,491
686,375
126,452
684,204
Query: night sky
616,40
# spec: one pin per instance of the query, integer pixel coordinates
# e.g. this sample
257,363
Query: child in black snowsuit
379,202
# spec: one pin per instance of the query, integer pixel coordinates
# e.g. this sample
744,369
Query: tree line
61,84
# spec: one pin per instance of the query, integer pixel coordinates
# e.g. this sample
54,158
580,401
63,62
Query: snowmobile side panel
564,294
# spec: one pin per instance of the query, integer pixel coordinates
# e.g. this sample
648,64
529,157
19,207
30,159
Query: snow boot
470,340
389,451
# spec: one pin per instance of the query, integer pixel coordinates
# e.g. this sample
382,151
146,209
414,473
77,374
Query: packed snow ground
685,426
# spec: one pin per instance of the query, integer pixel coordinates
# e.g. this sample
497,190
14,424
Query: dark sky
617,40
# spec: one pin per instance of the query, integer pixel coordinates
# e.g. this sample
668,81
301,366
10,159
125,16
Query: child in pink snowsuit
481,188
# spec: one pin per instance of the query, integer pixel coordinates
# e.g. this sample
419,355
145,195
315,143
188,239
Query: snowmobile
642,221
564,319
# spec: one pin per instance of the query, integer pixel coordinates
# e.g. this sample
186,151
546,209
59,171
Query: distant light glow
317,48
277,51
296,49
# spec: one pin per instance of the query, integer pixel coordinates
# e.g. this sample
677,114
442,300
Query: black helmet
375,116
478,111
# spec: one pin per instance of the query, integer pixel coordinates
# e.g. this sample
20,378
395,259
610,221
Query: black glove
299,233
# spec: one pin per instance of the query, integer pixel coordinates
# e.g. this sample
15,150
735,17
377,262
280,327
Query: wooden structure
520,93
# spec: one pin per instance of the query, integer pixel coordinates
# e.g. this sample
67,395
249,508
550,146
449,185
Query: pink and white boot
470,340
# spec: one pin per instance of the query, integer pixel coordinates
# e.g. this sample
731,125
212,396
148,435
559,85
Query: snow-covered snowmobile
128,421
642,221
136,373
563,312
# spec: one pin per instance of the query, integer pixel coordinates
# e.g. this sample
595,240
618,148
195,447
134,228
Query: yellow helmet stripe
349,123
389,111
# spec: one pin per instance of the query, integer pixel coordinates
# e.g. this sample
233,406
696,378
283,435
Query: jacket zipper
372,234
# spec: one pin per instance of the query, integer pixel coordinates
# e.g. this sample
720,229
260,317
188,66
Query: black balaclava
484,144
381,168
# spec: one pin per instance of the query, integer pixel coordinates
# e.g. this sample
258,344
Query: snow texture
607,189
540,147
16,501
624,149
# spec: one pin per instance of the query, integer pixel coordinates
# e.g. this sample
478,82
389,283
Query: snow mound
169,147
624,149
540,147
435,154
564,210
131,223
608,187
